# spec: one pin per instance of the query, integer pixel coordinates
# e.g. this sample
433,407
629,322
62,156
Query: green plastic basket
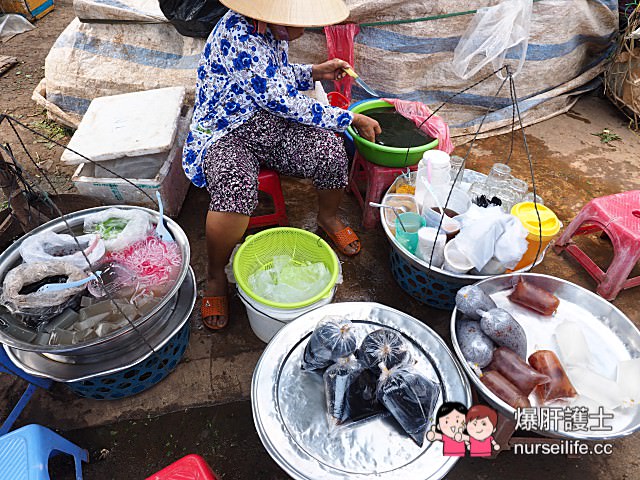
257,252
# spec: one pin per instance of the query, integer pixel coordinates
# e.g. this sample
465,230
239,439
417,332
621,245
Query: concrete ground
203,406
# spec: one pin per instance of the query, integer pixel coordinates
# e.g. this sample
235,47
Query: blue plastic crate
137,378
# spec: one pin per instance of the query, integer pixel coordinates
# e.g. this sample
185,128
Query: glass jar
499,175
456,164
519,188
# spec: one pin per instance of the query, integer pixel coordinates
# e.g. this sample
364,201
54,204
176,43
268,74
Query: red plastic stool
377,179
269,182
191,467
619,217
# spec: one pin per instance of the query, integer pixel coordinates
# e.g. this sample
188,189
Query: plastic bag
290,282
332,339
560,387
39,306
516,370
50,247
488,233
476,347
362,398
494,34
534,298
472,298
504,389
410,398
193,18
502,328
418,112
12,25
119,228
340,40
338,379
383,346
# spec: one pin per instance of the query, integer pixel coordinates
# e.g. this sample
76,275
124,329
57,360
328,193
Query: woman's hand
367,127
329,70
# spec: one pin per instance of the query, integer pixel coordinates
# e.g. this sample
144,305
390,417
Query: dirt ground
203,406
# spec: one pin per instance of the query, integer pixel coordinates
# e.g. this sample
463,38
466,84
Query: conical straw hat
292,13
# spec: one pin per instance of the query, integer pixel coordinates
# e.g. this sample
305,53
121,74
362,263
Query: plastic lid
526,212
438,159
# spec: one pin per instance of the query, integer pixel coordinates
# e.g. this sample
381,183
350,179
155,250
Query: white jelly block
574,350
603,391
629,379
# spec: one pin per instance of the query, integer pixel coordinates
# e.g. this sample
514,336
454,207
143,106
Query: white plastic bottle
435,164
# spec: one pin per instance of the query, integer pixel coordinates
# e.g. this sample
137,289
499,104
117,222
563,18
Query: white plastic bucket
265,321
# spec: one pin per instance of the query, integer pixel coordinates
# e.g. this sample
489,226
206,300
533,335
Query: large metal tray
290,414
610,335
168,322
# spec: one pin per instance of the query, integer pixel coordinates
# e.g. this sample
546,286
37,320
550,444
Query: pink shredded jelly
155,263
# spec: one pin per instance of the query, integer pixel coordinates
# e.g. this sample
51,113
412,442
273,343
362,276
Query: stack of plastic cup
407,227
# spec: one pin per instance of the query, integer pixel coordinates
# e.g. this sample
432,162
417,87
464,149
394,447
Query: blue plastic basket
139,377
427,286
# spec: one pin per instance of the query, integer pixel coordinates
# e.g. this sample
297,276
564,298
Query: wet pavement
140,434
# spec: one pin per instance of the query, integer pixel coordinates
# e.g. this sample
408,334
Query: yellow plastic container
526,212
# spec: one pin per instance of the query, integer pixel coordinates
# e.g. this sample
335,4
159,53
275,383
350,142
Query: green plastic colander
257,253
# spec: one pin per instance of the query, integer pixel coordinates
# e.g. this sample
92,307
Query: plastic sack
340,39
418,112
489,233
288,281
560,387
516,370
119,228
362,398
332,339
410,398
383,346
193,18
50,247
494,33
33,275
503,329
13,24
338,379
471,298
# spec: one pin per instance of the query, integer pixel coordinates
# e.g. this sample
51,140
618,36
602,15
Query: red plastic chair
619,217
191,467
269,183
377,180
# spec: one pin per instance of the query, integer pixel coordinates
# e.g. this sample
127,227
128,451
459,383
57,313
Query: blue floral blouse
240,72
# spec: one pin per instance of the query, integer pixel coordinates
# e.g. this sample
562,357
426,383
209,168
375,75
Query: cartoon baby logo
460,429
449,428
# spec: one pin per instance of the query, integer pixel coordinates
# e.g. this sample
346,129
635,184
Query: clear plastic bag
472,298
119,228
51,247
500,326
560,387
39,306
476,347
410,398
338,379
383,346
494,33
332,339
516,370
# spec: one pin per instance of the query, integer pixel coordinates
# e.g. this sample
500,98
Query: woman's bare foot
334,225
216,287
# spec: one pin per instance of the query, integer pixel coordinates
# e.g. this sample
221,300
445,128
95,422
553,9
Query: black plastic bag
332,339
193,18
362,399
338,379
410,398
383,346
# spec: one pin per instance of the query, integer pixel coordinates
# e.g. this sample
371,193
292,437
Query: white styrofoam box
169,179
127,125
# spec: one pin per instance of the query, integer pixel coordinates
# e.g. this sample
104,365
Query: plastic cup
454,260
408,238
549,222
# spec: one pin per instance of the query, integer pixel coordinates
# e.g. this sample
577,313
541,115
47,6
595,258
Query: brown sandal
342,239
215,307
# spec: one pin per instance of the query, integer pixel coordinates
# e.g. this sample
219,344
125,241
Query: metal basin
120,339
611,337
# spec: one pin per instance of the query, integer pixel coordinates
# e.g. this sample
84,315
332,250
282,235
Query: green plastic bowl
381,154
